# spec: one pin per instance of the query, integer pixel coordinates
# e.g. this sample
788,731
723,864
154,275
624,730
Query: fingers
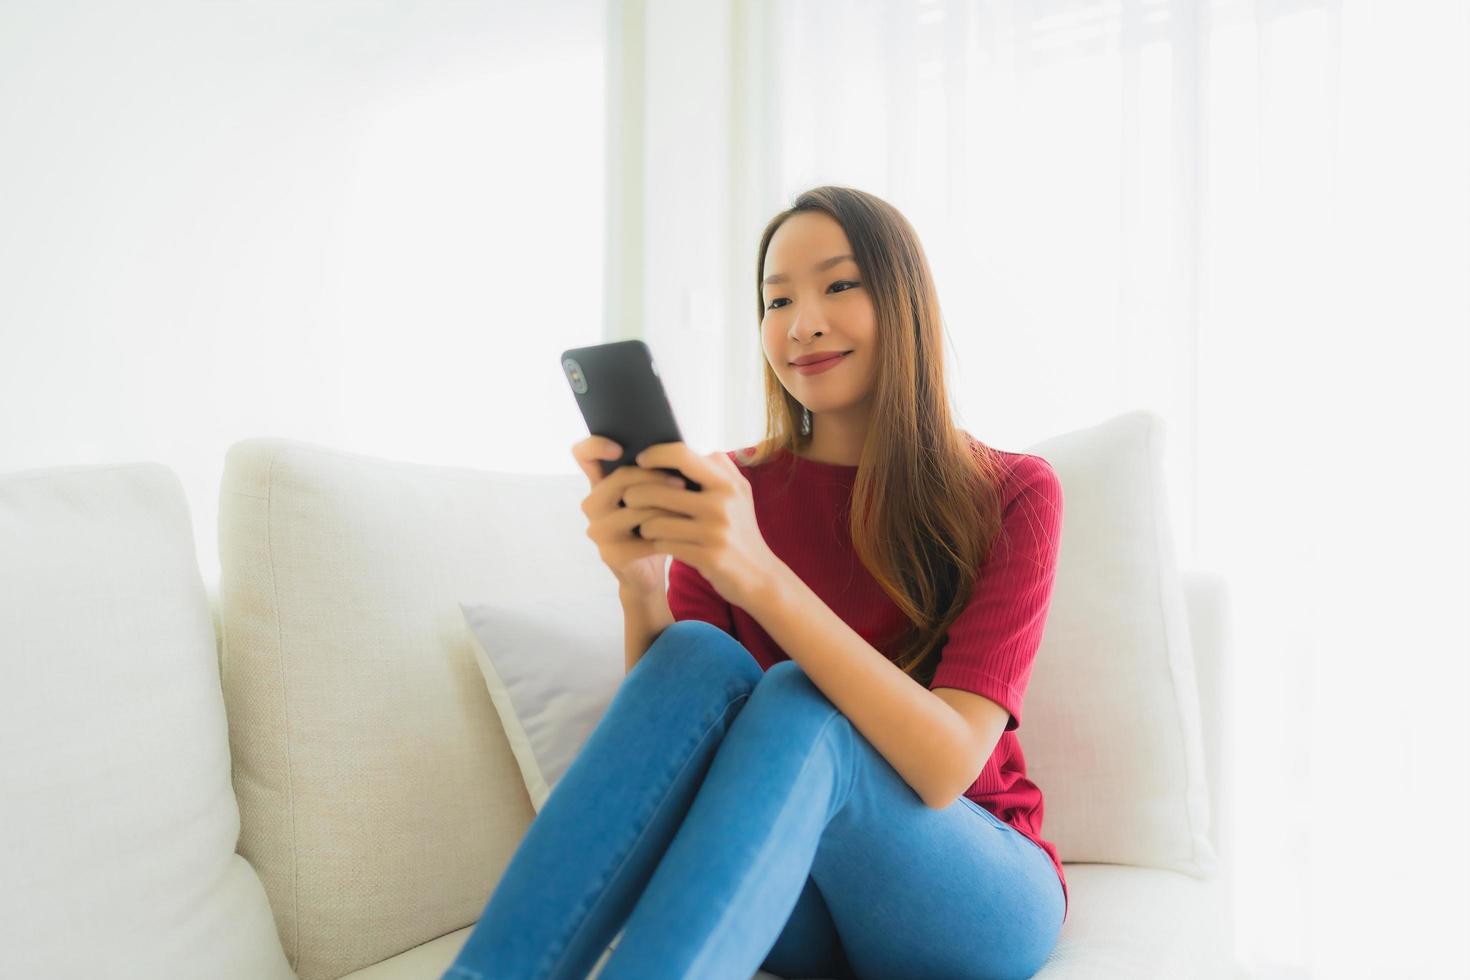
658,525
617,527
611,492
678,456
663,491
588,452
614,537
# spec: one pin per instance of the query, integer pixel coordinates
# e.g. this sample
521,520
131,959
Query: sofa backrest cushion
117,822
379,796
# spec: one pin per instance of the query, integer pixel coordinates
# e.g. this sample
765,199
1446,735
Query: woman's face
812,310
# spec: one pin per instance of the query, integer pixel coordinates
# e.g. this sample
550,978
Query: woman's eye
844,282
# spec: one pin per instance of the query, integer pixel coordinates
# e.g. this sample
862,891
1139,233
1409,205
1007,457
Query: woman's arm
645,616
924,738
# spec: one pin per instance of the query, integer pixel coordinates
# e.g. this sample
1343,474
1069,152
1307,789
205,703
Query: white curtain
1251,218
373,227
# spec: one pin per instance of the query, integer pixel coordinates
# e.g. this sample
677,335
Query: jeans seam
852,741
601,890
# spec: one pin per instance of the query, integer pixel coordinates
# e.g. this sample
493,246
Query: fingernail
675,481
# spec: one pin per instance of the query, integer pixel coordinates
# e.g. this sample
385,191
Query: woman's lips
821,366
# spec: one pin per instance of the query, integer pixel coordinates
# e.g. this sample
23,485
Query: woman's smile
820,366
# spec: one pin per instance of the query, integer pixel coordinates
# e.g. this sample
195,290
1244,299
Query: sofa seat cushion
1130,924
429,961
1141,923
426,962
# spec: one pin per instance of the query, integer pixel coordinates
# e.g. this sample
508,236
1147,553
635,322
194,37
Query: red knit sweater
990,647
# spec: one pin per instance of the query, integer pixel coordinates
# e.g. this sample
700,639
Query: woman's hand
712,529
617,503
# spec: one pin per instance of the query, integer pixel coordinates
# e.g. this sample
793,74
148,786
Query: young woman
812,766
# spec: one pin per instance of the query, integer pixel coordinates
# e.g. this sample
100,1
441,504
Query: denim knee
792,681
695,649
788,685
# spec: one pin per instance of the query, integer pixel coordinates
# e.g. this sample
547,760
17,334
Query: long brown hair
926,503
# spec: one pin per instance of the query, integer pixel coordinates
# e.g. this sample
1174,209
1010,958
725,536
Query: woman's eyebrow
824,264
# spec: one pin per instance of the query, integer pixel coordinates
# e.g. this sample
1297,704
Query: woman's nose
807,323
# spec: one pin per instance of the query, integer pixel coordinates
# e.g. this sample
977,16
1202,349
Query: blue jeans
728,819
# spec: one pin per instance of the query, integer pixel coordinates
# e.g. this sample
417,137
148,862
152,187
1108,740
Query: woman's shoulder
1026,464
1032,474
1018,470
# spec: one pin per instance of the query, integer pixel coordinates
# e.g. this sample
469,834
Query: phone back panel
617,387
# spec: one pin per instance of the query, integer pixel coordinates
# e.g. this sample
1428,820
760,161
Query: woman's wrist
638,594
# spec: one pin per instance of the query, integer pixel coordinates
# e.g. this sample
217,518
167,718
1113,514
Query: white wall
368,226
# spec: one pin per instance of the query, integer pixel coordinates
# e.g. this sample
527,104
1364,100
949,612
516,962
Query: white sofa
301,774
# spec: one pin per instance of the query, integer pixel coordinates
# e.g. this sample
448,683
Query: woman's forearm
645,616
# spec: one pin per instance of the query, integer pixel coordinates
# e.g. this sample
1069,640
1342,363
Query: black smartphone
621,397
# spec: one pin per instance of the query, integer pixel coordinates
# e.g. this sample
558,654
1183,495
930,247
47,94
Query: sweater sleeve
992,644
692,597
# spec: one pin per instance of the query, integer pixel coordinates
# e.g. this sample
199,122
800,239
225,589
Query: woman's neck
835,440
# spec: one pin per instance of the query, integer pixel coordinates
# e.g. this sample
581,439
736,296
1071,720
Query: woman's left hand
714,530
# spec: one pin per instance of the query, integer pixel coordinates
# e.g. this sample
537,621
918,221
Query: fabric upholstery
379,797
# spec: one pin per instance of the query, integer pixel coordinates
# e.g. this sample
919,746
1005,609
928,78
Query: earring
806,421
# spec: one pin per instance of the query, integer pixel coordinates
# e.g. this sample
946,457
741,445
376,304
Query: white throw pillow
552,667
1113,734
117,823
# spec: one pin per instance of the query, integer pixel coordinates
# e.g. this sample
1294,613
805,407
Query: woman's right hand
610,521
